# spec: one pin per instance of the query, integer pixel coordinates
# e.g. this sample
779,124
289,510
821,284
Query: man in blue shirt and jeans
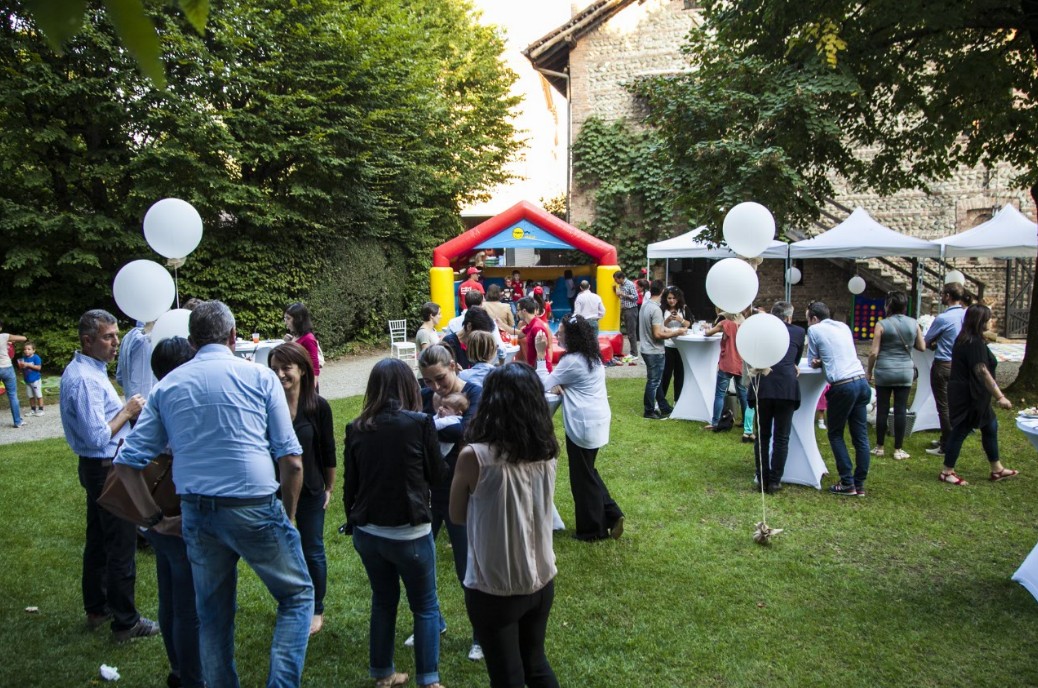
941,336
224,418
95,421
830,346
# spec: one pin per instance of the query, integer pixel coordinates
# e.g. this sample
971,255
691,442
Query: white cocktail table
699,356
923,405
804,464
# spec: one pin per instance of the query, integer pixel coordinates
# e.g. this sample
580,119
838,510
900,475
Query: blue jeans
310,523
721,390
653,377
218,533
387,563
10,381
848,405
178,617
958,435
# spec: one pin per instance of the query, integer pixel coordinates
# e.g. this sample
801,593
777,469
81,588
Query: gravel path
343,377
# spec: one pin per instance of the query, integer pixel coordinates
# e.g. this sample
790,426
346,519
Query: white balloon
762,340
749,229
171,324
856,285
173,227
793,275
954,277
732,284
143,290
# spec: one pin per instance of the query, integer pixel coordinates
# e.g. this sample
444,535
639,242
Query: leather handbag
158,476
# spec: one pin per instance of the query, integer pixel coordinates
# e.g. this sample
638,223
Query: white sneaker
877,451
935,451
821,424
475,653
40,412
410,639
901,455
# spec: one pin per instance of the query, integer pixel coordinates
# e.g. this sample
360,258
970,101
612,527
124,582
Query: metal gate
1019,280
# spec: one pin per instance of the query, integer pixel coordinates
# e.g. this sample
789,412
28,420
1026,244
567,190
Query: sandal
1003,474
394,679
952,478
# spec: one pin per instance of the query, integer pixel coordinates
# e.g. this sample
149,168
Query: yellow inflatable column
604,287
441,291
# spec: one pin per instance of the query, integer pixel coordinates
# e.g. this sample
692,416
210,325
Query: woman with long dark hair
301,331
892,369
437,366
502,491
675,314
971,388
391,461
312,420
586,418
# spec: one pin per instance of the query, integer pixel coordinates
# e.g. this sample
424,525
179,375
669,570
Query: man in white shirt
830,346
589,305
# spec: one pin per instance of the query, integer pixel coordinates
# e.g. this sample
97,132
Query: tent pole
785,276
915,286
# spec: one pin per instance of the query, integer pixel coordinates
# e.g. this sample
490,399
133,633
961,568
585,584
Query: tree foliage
889,94
630,178
294,128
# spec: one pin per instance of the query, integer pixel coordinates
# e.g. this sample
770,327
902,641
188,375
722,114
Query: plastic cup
255,337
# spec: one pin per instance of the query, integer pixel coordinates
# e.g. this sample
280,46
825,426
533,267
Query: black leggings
672,366
883,411
511,632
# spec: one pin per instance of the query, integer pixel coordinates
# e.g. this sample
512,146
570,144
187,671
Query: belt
104,463
627,308
846,380
227,502
939,362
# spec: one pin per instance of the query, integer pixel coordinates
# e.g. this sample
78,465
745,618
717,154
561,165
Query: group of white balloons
732,284
143,289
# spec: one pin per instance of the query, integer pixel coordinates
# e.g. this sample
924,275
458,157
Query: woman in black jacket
391,460
776,396
312,421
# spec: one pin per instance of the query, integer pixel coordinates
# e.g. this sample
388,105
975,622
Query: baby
449,410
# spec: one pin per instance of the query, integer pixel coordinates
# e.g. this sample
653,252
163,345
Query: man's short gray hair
210,323
90,322
584,285
782,310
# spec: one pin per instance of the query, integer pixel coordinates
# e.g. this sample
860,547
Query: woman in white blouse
586,417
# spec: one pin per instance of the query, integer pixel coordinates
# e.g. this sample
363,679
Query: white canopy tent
860,236
694,245
1007,235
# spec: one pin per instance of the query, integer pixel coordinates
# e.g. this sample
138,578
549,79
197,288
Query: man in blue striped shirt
95,421
226,420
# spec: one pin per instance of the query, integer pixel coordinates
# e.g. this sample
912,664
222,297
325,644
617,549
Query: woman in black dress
971,388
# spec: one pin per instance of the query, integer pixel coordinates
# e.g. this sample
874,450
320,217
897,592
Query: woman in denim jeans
391,460
312,421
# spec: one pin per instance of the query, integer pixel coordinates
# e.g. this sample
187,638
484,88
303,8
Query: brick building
608,43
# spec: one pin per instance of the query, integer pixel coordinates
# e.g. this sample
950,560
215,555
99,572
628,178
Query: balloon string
762,478
176,285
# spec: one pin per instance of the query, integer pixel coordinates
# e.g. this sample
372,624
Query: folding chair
399,346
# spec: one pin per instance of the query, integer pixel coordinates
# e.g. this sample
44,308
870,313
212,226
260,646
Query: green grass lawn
906,587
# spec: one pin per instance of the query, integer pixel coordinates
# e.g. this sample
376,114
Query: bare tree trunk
1027,379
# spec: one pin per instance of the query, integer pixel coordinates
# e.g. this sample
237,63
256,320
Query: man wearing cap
589,305
471,284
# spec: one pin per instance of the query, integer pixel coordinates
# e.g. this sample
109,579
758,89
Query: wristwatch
154,520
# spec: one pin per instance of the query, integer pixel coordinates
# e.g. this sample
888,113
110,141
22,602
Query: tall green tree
925,86
307,134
